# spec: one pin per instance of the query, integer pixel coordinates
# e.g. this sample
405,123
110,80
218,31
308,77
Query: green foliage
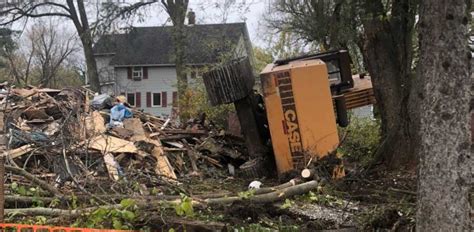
185,207
288,203
55,202
121,218
262,58
196,102
362,140
74,201
321,199
24,191
246,194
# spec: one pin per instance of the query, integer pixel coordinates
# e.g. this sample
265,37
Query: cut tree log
56,212
290,183
307,173
278,195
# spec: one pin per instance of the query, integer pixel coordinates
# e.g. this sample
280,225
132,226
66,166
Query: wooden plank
109,144
17,152
189,132
135,125
163,166
111,166
95,124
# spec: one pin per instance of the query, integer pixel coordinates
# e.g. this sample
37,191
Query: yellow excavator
304,98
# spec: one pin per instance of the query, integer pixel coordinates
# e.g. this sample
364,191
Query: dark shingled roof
154,45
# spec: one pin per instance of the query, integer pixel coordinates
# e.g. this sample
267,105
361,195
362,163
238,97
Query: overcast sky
211,11
207,11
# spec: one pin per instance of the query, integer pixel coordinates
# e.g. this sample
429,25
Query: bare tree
19,62
444,94
75,11
51,50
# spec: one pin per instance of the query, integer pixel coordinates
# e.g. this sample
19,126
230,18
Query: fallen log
32,178
170,198
290,183
56,212
278,195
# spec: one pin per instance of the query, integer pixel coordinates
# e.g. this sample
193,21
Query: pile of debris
79,141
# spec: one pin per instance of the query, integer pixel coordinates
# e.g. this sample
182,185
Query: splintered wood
17,152
95,124
163,166
109,144
111,166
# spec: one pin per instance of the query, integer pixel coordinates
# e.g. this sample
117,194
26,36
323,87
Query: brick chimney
191,17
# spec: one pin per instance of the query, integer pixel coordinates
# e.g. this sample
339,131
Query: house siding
114,79
160,80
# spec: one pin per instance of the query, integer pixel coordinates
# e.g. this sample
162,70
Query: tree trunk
92,73
388,53
443,92
82,26
180,57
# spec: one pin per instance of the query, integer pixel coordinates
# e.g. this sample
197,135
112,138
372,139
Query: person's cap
121,99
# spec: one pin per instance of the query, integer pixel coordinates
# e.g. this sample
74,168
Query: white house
140,64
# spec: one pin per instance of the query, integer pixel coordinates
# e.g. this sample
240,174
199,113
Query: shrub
362,140
196,102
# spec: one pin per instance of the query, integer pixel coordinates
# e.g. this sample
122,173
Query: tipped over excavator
294,121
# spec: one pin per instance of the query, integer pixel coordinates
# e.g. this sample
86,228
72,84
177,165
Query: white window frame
137,73
153,100
134,99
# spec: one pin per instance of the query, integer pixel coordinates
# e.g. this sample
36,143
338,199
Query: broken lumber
17,152
106,144
111,166
163,166
95,124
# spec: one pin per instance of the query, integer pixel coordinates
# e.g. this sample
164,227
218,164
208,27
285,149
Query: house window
156,99
131,99
137,73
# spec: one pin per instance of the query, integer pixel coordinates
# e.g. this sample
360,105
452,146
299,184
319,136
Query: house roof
154,45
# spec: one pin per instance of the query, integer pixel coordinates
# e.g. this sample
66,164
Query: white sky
210,11
207,11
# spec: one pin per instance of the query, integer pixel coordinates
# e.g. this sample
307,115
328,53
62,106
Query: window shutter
148,99
138,99
145,72
129,73
175,98
164,99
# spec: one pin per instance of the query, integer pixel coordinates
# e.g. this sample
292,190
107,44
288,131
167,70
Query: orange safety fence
35,228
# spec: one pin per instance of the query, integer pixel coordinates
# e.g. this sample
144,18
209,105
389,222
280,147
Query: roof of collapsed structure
154,45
